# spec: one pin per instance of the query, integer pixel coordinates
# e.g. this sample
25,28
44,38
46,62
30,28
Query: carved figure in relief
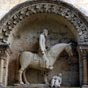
43,50
34,60
56,81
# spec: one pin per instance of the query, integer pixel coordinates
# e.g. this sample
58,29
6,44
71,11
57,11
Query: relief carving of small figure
56,81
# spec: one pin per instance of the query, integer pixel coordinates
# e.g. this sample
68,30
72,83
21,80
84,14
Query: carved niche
30,8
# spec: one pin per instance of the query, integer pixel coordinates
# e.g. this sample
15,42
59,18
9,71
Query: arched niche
25,36
26,9
22,25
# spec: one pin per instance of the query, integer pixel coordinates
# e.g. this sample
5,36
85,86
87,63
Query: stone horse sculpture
35,61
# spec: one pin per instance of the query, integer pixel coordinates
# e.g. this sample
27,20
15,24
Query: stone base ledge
36,86
85,86
29,86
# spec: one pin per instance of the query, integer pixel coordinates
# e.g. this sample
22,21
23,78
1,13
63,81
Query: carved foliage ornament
59,9
84,52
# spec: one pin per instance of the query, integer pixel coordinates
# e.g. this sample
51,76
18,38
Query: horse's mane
60,44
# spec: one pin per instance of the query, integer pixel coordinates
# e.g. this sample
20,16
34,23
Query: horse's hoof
50,67
28,83
21,83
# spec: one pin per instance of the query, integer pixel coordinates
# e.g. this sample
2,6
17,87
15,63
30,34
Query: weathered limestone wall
6,5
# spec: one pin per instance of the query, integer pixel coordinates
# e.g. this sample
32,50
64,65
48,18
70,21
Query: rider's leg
46,61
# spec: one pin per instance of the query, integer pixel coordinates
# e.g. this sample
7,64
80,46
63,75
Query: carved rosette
53,7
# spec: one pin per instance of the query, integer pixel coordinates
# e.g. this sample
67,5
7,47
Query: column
3,63
1,71
80,66
85,69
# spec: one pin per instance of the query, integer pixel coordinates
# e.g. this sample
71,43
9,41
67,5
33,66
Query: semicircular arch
28,8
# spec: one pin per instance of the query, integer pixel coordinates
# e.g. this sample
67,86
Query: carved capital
84,53
3,48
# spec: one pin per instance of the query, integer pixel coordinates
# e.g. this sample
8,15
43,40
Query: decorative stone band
53,7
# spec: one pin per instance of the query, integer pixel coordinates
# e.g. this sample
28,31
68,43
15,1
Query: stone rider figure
42,45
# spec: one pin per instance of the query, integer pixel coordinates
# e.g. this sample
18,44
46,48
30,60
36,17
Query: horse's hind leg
25,79
20,76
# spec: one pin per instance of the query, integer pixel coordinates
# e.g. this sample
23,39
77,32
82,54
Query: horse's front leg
46,79
20,76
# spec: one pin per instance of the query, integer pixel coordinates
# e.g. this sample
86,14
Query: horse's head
56,50
68,49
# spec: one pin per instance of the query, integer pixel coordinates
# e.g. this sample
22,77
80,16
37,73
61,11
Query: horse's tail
18,58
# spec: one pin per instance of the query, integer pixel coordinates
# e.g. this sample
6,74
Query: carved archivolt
34,7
